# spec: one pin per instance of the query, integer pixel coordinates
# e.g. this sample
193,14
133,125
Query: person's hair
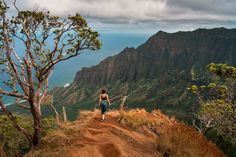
103,91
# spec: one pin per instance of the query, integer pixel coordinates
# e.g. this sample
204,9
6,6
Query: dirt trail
88,137
110,139
102,139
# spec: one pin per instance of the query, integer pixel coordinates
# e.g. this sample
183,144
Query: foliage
223,117
217,101
48,125
228,148
27,73
223,70
15,143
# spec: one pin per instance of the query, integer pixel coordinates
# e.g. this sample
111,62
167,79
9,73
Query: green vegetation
26,72
14,143
217,112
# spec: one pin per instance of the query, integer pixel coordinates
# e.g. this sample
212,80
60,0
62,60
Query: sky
143,16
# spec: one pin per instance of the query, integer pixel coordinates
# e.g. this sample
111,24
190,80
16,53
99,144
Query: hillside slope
157,73
125,134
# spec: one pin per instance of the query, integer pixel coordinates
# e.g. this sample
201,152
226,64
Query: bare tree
54,109
205,123
48,100
123,103
64,114
28,71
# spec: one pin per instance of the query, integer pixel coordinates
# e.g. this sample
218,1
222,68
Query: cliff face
157,73
164,54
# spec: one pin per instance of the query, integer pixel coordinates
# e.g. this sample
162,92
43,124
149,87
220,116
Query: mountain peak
161,32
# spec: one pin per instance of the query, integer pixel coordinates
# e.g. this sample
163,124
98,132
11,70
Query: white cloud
142,11
120,10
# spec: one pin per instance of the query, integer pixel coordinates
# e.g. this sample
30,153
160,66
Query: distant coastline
113,43
66,85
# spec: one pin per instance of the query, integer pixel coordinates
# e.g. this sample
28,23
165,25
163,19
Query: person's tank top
103,97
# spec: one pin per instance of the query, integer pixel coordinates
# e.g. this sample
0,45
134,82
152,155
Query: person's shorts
103,107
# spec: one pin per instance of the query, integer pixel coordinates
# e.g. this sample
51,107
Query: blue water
112,44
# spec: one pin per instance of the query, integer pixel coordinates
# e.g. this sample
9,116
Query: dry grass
180,140
175,139
140,117
2,153
63,139
87,115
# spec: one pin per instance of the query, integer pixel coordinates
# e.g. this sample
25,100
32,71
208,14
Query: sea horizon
112,44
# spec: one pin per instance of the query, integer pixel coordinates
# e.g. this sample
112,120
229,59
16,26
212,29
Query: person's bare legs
103,117
103,113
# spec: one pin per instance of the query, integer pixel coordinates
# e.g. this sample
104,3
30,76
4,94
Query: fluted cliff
157,73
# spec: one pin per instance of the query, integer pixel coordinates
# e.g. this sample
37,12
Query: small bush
48,125
13,142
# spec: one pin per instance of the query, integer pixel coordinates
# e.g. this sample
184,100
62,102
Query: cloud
225,7
142,11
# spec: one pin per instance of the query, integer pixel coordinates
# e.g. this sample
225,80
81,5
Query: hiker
103,102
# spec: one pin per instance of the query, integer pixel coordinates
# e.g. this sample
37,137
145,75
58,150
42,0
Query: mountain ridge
157,72
161,41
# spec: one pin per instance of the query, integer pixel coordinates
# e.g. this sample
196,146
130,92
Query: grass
175,139
64,138
140,117
180,140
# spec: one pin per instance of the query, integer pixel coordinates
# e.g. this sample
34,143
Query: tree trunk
64,114
123,102
57,114
57,119
37,124
40,112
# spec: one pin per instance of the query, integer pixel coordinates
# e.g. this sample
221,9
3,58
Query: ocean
112,44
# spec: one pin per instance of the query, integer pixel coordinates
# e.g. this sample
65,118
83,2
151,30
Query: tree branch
21,105
17,95
198,128
8,55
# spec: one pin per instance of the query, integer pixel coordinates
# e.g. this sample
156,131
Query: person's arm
108,100
100,100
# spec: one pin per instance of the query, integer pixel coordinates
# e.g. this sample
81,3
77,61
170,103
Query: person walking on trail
104,101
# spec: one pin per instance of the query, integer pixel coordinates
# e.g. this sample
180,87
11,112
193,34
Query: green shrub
14,143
